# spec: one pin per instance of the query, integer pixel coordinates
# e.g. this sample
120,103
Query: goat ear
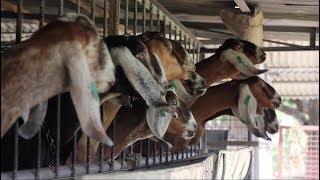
241,62
139,77
247,103
34,121
85,98
158,121
262,127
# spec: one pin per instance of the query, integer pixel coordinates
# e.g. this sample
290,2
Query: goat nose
190,133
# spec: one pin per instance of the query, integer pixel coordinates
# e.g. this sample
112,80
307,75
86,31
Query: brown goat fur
224,96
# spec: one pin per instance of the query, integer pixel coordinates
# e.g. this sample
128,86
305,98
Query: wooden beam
305,48
114,17
242,5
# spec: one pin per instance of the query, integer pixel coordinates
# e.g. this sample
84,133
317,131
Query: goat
224,96
171,56
138,129
65,55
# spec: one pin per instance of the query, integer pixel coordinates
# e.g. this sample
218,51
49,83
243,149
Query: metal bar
175,32
172,156
38,164
126,16
306,48
180,36
154,152
73,157
195,149
163,26
194,52
148,150
19,21
58,138
185,41
167,155
161,151
177,155
112,148
60,9
117,17
158,20
78,7
105,16
313,38
123,157
151,17
88,160
174,20
135,17
93,11
224,165
42,11
101,146
16,150
169,30
144,16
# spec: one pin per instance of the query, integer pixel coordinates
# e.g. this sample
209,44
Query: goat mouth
275,104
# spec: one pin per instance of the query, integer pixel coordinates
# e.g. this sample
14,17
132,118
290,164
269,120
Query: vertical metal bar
158,20
113,135
154,152
58,138
101,146
195,149
140,147
191,148
42,10
169,29
167,155
116,17
78,7
60,9
123,156
16,149
163,26
93,10
126,16
135,17
177,155
198,53
187,152
144,16
313,38
19,21
151,17
161,151
88,156
105,16
185,41
175,32
180,36
73,157
182,154
148,150
38,165
172,156
194,52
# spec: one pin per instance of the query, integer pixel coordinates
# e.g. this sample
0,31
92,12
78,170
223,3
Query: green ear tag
239,60
173,84
246,102
162,113
94,91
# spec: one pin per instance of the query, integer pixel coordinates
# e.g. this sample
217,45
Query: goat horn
139,77
34,120
85,98
241,62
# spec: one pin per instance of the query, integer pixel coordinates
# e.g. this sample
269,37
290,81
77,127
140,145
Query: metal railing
136,16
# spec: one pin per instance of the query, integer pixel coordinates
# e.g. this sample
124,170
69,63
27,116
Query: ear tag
173,84
247,100
94,91
162,113
240,61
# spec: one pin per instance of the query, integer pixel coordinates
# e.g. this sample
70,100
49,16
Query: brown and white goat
225,96
175,61
65,55
131,124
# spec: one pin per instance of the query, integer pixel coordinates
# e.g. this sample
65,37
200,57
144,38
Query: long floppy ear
241,62
158,121
85,97
35,119
139,77
247,103
261,126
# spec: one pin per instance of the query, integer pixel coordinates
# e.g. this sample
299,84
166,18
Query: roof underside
286,21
